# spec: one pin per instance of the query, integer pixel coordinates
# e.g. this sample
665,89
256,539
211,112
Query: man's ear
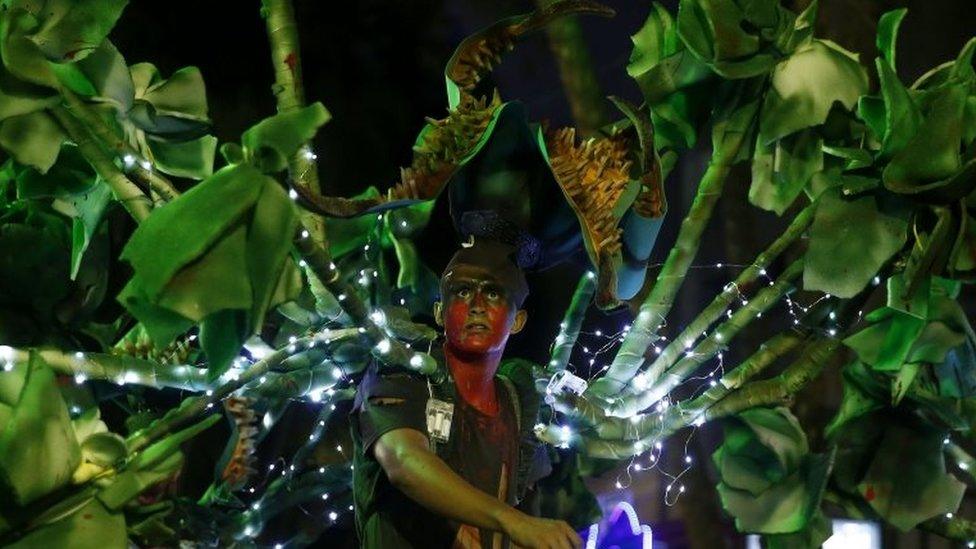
439,313
520,317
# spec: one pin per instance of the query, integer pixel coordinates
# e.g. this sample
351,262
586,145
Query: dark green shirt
484,450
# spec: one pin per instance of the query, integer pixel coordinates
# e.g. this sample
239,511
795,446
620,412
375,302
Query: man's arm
416,471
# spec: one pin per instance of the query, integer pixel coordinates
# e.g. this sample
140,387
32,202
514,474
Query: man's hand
539,533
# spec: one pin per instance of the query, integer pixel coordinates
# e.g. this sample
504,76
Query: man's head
482,290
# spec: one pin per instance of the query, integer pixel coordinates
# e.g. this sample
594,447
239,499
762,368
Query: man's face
477,312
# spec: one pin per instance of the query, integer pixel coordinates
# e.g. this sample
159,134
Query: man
414,488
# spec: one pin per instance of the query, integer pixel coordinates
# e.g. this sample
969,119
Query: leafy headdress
541,189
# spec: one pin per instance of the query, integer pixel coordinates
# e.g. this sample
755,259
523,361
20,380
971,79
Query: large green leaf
193,159
71,29
21,56
183,92
656,40
270,143
38,450
907,482
807,84
105,68
888,33
862,395
902,117
222,334
181,231
736,38
850,240
18,97
781,170
769,482
32,139
273,224
70,175
90,527
224,271
89,208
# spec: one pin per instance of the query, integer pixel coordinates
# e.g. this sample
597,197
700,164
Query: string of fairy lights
594,346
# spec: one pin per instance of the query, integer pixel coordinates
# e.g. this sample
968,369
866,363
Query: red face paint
477,326
478,319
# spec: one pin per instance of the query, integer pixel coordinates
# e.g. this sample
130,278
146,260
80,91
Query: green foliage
891,175
164,119
39,45
217,256
270,143
38,450
850,240
770,483
91,526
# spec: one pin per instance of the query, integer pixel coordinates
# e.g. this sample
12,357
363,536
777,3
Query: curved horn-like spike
477,54
651,201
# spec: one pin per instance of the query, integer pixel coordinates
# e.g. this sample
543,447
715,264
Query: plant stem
125,191
721,303
767,354
774,391
956,528
192,407
731,127
658,303
709,347
153,180
792,379
570,327
290,95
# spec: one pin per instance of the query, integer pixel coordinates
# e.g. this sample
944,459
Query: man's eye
493,294
463,292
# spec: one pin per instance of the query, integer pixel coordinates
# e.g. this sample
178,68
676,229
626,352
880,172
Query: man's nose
478,302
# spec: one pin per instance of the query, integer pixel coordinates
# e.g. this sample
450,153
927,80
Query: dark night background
377,65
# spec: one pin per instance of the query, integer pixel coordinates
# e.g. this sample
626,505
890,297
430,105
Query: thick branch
709,347
116,144
767,355
569,328
775,391
290,95
125,191
721,303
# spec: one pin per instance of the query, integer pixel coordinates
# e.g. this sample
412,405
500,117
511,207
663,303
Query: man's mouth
477,326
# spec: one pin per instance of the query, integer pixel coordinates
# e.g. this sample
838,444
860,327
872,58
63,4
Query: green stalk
152,179
789,382
956,528
776,391
709,347
195,406
290,95
721,303
569,328
735,115
654,309
767,354
125,191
